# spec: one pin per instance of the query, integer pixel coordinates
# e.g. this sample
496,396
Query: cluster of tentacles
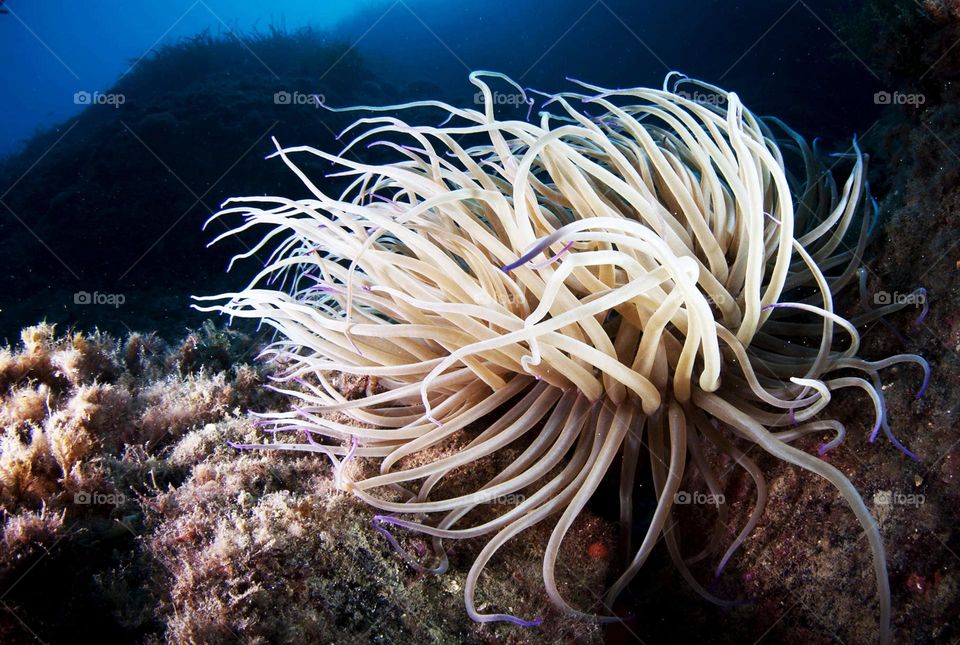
632,272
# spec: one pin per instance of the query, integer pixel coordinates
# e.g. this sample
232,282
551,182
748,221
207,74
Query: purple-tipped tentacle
537,248
926,306
378,521
876,428
507,618
823,448
926,378
354,443
893,439
876,214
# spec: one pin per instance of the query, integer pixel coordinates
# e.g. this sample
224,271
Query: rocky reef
125,510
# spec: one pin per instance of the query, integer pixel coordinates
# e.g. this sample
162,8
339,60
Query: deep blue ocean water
112,165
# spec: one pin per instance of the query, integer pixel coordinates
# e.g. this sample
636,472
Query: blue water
55,49
101,194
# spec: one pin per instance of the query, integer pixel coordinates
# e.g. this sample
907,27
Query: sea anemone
634,270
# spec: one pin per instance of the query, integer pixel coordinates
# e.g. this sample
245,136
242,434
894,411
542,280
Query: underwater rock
118,485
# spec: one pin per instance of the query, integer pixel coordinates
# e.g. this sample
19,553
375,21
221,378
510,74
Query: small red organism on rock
597,551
